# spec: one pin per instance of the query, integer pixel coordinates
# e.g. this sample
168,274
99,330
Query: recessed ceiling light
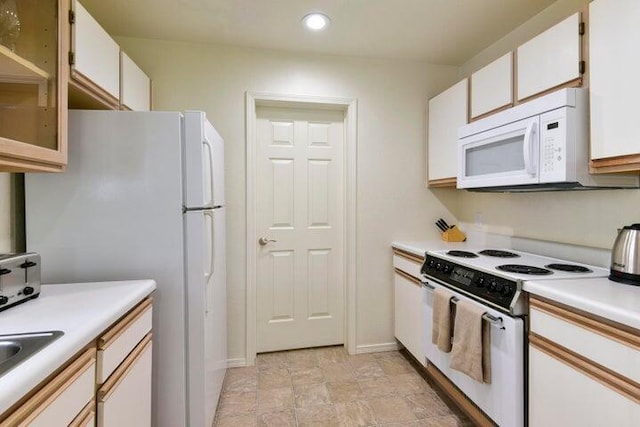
316,21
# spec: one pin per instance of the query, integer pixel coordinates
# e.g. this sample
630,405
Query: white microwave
540,145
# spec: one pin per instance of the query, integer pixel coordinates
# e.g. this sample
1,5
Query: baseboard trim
236,363
375,348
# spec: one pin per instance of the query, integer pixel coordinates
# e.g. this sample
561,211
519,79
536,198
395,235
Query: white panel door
614,62
300,207
492,86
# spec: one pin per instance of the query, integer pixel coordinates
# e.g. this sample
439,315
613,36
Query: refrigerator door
115,214
206,312
203,163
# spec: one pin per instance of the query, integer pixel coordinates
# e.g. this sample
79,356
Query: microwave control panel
553,144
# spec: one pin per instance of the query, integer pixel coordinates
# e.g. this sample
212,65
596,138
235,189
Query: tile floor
328,387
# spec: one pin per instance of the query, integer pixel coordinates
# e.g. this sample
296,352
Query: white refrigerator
143,197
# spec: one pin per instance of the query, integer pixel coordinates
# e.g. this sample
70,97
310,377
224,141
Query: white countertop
81,310
599,296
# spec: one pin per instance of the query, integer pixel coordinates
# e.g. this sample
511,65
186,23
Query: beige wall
392,200
586,218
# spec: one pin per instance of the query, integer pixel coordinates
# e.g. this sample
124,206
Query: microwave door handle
529,165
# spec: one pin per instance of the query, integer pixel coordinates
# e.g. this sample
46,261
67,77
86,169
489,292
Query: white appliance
540,145
143,197
492,279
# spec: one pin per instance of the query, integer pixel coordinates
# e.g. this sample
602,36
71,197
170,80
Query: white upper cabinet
550,59
135,86
447,112
96,56
614,63
492,86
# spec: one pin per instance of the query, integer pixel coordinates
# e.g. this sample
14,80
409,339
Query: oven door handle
497,322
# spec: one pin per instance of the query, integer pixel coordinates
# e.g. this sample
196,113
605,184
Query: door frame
349,107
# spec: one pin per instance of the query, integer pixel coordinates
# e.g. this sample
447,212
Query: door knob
263,241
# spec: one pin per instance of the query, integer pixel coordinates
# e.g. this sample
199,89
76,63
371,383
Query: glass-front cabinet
33,84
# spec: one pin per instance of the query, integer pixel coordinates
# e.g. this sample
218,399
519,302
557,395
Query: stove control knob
480,282
28,290
499,287
431,263
438,266
447,268
493,285
506,291
3,300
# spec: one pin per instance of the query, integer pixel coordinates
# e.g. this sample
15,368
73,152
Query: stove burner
571,268
498,253
462,254
524,269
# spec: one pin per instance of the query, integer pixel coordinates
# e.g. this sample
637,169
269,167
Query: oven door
506,155
504,399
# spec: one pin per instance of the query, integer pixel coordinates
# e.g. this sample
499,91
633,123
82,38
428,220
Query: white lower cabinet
118,367
123,374
125,399
561,395
409,310
62,399
583,371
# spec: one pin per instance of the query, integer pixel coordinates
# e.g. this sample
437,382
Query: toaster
19,278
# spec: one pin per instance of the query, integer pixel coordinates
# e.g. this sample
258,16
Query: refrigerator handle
213,247
209,146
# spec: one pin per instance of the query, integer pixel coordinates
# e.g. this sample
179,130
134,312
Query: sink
16,348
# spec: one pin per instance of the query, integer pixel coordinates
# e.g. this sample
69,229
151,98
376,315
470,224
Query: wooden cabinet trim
87,413
121,372
408,255
34,405
443,182
630,162
620,333
112,334
409,277
85,85
490,113
469,408
606,377
577,82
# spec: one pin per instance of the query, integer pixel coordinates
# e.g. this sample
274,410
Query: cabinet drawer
61,399
614,349
125,399
409,263
117,343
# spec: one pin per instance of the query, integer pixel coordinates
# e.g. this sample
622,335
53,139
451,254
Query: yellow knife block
454,235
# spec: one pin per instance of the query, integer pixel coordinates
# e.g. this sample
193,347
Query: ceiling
437,31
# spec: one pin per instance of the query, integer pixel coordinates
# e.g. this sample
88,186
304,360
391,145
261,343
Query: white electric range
493,279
